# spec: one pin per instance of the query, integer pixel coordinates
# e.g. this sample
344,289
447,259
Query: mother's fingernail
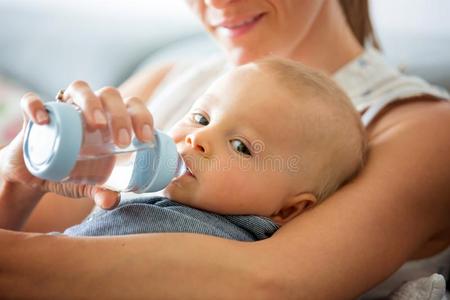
99,117
41,116
147,133
124,137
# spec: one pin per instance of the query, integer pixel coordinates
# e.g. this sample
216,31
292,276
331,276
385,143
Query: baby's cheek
216,195
177,134
232,180
179,131
240,198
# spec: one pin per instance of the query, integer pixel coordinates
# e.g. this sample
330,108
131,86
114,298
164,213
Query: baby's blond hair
337,128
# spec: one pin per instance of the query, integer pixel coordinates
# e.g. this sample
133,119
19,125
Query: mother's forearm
16,204
152,266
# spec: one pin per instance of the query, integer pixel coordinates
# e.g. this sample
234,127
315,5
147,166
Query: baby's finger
120,120
105,199
141,119
33,108
82,95
68,189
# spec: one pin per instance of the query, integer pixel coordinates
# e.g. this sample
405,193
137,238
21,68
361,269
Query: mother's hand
102,108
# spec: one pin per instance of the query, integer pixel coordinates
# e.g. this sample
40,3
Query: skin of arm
55,212
144,83
14,213
337,250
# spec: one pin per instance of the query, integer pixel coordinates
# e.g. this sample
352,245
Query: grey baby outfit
159,214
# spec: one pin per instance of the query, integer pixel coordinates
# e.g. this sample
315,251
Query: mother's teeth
242,23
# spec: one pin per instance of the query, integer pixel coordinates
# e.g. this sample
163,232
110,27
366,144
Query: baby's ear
293,207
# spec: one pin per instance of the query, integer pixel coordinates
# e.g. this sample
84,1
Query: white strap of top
372,84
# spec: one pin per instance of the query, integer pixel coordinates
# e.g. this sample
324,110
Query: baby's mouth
188,161
188,166
189,172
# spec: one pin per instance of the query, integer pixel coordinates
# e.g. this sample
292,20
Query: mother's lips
234,23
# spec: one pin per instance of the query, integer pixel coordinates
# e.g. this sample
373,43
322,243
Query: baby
264,143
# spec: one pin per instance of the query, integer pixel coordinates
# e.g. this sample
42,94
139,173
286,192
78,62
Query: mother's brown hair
357,13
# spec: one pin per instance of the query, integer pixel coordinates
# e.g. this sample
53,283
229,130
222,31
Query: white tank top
371,85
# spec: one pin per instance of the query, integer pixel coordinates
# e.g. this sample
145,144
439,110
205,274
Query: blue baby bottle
65,150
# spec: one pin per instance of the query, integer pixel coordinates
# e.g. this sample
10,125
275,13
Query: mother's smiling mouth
237,26
233,23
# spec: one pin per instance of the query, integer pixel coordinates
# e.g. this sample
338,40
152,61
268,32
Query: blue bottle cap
155,166
50,151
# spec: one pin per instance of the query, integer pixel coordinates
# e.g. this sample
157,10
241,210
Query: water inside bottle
122,172
126,171
131,169
113,171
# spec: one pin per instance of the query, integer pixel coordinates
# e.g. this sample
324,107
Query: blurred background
46,44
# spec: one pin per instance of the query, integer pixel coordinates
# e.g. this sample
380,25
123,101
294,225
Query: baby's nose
195,142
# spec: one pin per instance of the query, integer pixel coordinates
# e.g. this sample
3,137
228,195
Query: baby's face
240,141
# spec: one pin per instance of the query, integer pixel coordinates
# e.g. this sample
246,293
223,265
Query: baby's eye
200,119
239,146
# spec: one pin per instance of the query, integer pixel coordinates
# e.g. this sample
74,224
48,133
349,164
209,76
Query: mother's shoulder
425,112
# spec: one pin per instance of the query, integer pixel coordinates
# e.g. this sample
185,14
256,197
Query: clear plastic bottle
65,150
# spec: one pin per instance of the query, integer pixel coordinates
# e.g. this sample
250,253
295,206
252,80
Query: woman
339,250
